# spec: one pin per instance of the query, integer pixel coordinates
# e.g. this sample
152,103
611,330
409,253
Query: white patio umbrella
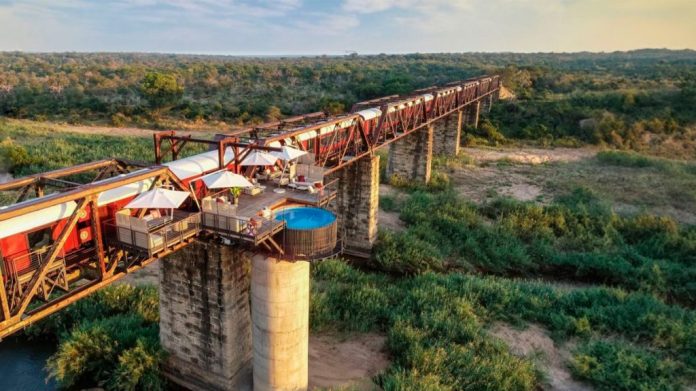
259,158
288,154
159,198
225,179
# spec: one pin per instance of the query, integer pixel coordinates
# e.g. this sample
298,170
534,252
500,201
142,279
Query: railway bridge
69,233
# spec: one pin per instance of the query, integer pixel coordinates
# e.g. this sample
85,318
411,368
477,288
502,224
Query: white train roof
198,164
35,219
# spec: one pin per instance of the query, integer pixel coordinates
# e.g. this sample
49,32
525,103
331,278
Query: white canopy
225,179
287,153
198,164
259,158
158,198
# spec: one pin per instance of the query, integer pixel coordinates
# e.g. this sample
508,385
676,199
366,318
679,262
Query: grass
436,326
32,148
636,160
576,238
434,296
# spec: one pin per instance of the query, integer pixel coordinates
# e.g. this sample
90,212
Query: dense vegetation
577,238
436,329
635,100
436,287
109,340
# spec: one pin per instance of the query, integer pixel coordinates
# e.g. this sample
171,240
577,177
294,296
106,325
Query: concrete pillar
410,158
487,103
205,322
280,324
472,113
447,135
357,204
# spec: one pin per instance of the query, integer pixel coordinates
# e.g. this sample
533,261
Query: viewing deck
246,221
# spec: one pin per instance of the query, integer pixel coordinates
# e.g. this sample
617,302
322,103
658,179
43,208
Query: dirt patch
391,221
629,190
479,183
530,155
105,130
534,341
349,361
522,191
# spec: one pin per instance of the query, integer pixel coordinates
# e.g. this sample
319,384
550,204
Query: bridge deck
250,206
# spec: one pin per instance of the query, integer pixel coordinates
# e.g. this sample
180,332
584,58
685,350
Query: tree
273,114
161,90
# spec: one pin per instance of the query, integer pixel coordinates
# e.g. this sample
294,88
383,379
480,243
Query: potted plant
235,191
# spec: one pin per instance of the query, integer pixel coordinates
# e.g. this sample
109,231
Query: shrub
86,356
119,120
615,366
404,254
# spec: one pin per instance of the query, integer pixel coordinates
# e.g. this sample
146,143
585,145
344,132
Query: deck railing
252,229
156,239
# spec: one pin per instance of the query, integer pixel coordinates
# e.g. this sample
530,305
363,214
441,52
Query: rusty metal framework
57,279
65,178
352,138
53,282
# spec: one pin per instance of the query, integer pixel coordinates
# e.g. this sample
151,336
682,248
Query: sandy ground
535,174
349,361
530,155
520,181
535,342
390,220
107,130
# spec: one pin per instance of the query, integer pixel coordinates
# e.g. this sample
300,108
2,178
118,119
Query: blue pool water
305,218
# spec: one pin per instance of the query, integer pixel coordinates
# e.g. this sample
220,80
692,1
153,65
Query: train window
41,238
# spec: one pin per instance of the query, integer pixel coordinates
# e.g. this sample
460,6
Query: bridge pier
472,113
357,204
410,158
205,322
447,134
280,319
487,103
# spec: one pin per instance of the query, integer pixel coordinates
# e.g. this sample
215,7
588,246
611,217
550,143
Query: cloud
368,26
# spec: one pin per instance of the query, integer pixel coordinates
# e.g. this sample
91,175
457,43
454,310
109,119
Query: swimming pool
305,218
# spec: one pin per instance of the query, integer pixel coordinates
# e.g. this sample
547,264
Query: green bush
435,327
405,254
577,237
120,352
613,366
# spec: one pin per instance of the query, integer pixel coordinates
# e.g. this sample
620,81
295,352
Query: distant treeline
240,88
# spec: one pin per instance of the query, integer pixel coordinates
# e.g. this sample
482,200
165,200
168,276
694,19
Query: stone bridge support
411,158
472,113
280,318
205,322
447,134
487,103
357,204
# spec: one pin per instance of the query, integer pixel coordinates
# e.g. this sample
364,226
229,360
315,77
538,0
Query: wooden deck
250,206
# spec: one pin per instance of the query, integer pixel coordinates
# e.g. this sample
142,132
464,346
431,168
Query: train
25,239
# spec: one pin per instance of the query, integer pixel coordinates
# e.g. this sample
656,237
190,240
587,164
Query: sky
287,27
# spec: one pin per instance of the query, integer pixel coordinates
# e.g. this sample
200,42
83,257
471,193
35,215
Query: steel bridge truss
57,278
